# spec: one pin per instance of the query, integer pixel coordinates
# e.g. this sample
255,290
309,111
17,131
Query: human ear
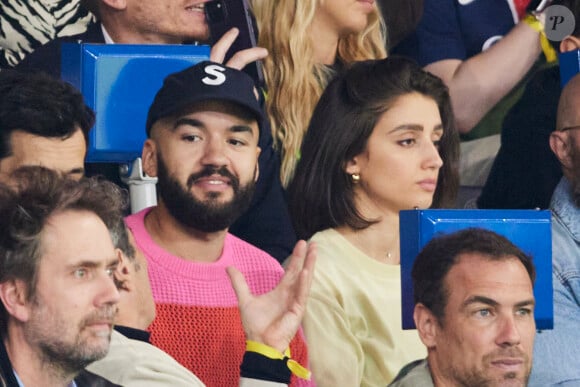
559,142
149,157
352,167
569,43
427,325
14,297
123,272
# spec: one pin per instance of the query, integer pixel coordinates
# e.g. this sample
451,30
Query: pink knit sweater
198,322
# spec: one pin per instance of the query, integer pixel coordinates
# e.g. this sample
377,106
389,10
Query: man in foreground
57,262
474,310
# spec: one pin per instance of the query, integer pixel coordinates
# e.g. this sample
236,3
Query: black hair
40,105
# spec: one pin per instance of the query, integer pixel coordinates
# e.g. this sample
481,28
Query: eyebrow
241,129
530,302
94,264
189,122
89,264
494,303
415,127
197,123
480,300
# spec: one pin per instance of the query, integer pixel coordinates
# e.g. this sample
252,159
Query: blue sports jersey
458,29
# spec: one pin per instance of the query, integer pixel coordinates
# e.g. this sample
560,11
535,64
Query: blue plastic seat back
530,230
119,82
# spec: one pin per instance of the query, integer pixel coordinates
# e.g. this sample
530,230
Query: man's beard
478,378
51,333
207,215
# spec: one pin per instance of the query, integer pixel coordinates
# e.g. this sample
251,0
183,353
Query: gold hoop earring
355,178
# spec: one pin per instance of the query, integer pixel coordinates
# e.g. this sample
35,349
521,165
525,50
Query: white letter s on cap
216,73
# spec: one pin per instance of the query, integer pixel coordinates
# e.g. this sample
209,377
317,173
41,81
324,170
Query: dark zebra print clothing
28,24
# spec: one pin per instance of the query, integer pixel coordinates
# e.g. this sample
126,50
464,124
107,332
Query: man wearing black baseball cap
203,128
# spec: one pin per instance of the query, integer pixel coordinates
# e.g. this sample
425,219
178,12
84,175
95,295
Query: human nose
509,333
214,153
108,291
432,158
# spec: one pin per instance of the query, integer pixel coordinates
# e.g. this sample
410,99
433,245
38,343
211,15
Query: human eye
436,138
407,142
111,271
522,312
190,137
483,313
80,273
112,268
236,142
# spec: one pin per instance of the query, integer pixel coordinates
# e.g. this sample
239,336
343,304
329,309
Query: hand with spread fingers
274,318
241,58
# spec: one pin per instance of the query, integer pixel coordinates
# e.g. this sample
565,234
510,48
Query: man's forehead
478,274
73,236
24,142
62,154
23,134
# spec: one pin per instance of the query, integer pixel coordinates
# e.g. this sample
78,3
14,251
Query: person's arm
271,320
478,83
134,363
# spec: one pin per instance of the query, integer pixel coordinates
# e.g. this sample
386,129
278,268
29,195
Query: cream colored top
353,318
134,363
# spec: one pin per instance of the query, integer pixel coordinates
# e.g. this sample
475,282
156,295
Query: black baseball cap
202,82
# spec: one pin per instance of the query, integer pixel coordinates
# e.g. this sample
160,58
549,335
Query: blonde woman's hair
295,82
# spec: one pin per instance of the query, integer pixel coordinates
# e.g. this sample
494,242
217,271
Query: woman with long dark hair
382,139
